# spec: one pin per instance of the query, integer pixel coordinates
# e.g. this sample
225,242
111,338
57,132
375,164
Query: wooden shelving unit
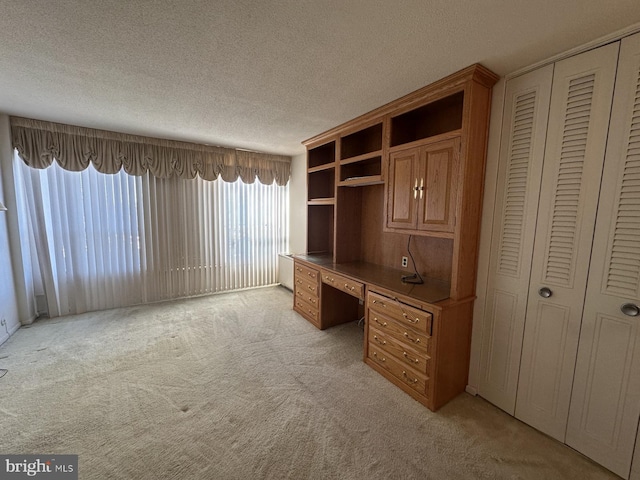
406,175
351,197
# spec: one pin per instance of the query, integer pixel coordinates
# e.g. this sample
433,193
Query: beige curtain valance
39,143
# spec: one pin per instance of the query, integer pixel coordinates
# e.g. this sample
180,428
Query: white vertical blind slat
104,241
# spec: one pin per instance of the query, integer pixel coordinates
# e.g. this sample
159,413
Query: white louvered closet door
524,125
605,405
576,137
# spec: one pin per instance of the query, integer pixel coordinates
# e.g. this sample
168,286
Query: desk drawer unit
345,284
399,344
307,292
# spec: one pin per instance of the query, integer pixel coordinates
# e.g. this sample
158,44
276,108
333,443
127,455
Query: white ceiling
265,74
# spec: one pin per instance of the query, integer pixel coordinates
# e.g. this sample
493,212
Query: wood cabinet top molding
445,86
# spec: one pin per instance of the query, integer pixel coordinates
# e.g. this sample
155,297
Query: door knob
630,309
545,292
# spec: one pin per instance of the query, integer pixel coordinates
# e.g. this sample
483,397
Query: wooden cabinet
306,284
414,166
561,337
422,188
421,348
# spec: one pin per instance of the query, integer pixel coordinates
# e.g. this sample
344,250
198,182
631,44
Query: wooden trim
359,158
427,141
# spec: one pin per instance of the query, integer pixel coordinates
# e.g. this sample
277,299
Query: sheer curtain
110,240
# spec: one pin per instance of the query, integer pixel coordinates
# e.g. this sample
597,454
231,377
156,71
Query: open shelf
362,181
321,184
320,228
441,116
322,155
362,170
321,201
361,142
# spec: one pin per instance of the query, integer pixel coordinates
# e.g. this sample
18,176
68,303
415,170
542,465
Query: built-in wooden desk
415,335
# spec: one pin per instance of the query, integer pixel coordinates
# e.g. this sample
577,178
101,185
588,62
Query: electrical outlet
405,262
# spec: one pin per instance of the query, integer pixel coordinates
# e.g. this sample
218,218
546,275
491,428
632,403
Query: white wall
298,205
8,296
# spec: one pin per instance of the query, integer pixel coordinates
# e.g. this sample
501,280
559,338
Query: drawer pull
412,360
312,300
299,281
381,342
376,302
382,359
409,318
414,340
329,279
413,381
311,288
384,324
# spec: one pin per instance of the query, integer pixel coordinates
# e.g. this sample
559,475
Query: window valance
39,143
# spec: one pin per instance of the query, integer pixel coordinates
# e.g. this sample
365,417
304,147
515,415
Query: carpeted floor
238,386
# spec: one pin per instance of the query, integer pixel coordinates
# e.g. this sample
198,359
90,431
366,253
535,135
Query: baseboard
471,390
5,336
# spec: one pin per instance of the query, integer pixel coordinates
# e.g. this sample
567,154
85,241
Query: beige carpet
238,386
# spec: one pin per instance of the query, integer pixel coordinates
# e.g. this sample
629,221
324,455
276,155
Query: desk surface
431,291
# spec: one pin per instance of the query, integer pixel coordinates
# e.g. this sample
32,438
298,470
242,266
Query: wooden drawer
310,297
420,342
407,355
306,272
343,283
407,375
403,313
307,310
306,284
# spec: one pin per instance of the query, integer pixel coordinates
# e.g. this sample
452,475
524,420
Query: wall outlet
405,262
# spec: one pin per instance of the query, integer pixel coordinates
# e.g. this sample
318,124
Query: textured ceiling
265,75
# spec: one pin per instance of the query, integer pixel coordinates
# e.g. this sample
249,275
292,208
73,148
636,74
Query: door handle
630,309
545,292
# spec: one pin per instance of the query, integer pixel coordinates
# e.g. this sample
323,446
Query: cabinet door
437,181
402,189
581,97
605,404
524,127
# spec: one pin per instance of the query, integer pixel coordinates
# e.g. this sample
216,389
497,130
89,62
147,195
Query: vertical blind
110,240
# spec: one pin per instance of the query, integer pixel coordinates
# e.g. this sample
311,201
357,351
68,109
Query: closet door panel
524,129
605,405
576,137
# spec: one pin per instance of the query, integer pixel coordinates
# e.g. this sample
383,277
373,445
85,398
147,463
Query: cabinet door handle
375,319
414,340
409,380
417,320
415,189
421,187
382,359
412,360
381,342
